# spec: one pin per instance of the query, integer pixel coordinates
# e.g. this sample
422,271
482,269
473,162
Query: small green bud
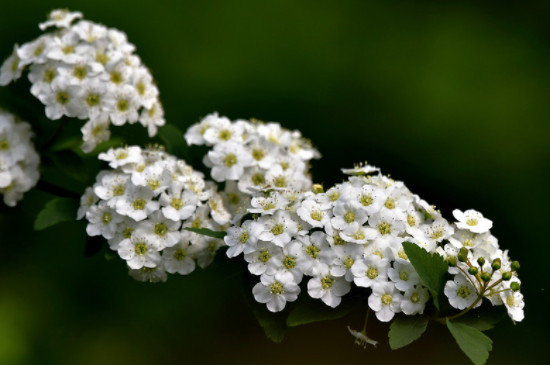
473,270
486,276
514,286
451,260
515,265
481,261
496,264
463,254
318,189
506,276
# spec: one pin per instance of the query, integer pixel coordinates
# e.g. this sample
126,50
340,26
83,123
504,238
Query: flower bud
463,254
318,189
473,270
451,260
506,276
515,265
486,276
496,264
481,261
514,286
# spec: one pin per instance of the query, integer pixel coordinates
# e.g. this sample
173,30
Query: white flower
176,259
316,255
514,304
385,300
328,288
164,231
11,68
314,212
414,300
240,239
138,203
103,221
348,217
461,292
403,275
265,260
111,188
278,228
228,161
361,170
61,18
472,220
276,290
139,251
178,203
369,271
117,157
94,132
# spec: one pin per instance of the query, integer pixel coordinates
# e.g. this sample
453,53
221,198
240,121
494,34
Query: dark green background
450,98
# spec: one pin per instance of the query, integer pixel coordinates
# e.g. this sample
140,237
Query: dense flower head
253,154
88,71
18,159
143,206
353,234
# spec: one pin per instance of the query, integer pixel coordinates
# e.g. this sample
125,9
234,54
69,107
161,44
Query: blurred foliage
450,97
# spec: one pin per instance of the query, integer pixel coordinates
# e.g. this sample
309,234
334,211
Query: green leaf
406,329
173,139
207,232
309,310
471,341
273,323
431,268
56,211
483,318
71,164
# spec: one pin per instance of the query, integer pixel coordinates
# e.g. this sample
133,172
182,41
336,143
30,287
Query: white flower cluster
18,159
353,233
251,155
480,268
88,71
142,207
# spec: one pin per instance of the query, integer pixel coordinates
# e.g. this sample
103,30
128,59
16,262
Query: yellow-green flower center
224,135
326,282
140,248
365,200
384,228
289,262
276,288
349,217
106,218
403,275
277,229
180,254
264,256
372,273
62,97
80,72
258,154
390,203
316,215
176,203
463,291
160,229
312,251
258,179
244,237
139,204
386,299
230,160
